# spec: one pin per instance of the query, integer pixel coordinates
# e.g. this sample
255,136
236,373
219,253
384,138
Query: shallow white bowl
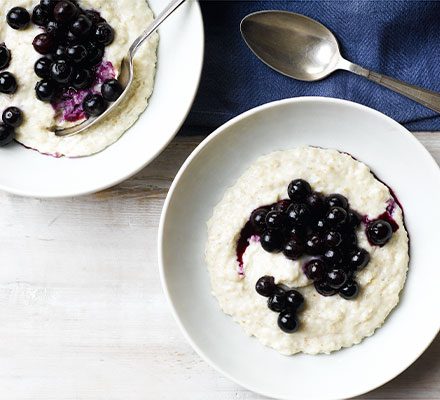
394,155
180,58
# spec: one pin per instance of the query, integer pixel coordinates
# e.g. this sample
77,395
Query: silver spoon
304,49
126,75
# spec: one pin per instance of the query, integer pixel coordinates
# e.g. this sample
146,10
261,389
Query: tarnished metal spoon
304,49
126,75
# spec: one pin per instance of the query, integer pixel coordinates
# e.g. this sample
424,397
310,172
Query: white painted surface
82,314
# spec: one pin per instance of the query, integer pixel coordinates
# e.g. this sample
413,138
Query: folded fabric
397,38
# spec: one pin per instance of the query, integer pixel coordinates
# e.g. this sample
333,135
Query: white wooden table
82,314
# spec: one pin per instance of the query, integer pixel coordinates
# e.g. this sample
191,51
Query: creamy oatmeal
129,18
326,323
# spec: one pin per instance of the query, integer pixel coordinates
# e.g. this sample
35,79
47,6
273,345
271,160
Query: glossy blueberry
315,270
8,83
265,286
7,134
336,216
282,206
358,259
18,18
379,232
94,105
332,239
48,5
298,190
96,53
45,90
42,67
332,257
287,322
12,116
5,56
275,220
349,290
336,278
104,34
298,214
77,53
353,219
61,71
60,52
54,29
111,90
271,241
294,300
293,249
82,79
314,245
81,27
318,226
316,203
324,289
40,16
258,219
277,302
65,11
337,200
43,43
296,232
94,16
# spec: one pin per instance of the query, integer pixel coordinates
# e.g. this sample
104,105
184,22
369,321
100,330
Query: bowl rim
113,182
175,183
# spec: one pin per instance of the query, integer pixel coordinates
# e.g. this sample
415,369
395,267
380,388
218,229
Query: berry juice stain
246,234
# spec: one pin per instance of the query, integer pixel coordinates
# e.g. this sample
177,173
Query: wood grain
82,314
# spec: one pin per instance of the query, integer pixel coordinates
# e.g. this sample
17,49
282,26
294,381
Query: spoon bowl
304,49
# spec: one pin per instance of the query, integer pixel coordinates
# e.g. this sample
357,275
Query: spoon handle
423,96
154,25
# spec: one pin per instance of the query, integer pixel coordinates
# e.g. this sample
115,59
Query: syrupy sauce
246,234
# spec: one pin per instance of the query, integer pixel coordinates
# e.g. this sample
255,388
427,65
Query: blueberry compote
72,47
322,230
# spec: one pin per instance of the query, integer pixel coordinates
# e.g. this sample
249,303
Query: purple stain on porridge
69,107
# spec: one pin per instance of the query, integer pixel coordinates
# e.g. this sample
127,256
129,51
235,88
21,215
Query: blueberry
316,203
359,259
353,219
77,53
298,214
281,206
336,216
61,71
277,302
293,249
294,300
60,53
111,90
314,245
7,134
42,67
332,239
40,16
271,241
323,289
81,27
265,286
82,79
43,43
46,90
349,241
337,200
298,190
315,270
65,11
275,220
379,232
336,278
96,53
287,322
94,16
54,29
104,34
258,219
48,5
332,257
94,105
12,116
18,18
349,290
5,56
8,83
318,226
297,233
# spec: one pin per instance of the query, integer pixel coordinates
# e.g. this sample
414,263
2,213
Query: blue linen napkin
397,38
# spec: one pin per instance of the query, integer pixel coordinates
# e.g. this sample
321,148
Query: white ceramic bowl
394,155
180,58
